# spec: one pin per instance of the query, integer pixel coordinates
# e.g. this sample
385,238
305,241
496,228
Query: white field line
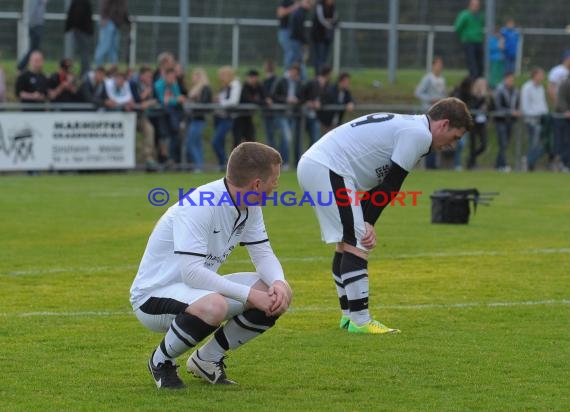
474,253
302,309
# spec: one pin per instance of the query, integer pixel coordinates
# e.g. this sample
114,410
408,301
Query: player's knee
211,308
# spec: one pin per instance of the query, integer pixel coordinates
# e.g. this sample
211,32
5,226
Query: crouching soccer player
373,153
177,289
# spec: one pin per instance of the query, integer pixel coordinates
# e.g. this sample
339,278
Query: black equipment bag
452,206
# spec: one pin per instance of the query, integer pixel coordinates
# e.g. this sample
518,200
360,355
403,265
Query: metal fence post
490,26
183,33
393,41
430,49
235,44
68,43
336,50
518,63
133,44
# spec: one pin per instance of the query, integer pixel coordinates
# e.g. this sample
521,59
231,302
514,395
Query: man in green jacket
469,26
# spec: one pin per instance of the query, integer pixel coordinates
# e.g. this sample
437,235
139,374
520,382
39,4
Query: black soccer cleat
165,375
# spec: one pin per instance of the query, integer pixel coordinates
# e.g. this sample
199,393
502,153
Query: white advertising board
67,141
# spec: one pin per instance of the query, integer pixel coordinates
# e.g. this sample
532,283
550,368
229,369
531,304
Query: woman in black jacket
322,32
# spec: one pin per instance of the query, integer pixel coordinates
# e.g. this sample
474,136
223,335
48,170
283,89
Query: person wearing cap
557,75
62,85
251,93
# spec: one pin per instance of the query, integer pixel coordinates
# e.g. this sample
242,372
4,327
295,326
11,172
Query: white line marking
302,309
474,253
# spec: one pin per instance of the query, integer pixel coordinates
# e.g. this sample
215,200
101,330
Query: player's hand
283,295
261,300
369,238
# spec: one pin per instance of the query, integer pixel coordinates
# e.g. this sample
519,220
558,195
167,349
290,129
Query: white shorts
167,302
338,223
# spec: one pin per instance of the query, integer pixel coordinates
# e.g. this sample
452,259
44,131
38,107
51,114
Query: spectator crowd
173,113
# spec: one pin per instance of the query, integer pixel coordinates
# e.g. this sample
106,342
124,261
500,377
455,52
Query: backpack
452,205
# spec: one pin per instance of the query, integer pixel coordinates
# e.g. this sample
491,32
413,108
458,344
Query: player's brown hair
454,110
249,161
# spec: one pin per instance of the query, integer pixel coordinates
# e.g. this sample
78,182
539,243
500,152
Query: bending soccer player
373,154
177,289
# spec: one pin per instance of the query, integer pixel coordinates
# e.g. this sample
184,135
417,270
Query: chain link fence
244,32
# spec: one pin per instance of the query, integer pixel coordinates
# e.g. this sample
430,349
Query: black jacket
297,25
80,17
320,33
281,89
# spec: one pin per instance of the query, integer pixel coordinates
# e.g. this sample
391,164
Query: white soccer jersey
557,75
364,148
198,229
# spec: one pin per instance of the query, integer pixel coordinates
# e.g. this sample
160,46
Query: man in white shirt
177,289
372,154
432,86
118,91
533,107
431,89
557,75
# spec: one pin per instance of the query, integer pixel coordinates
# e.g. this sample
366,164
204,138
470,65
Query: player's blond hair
250,161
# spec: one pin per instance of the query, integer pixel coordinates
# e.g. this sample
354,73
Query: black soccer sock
185,332
237,331
354,275
343,300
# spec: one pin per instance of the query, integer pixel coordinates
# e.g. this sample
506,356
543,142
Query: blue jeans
170,131
474,59
269,126
431,161
297,57
534,146
504,130
562,140
222,126
108,44
320,55
194,149
284,125
313,127
510,64
284,39
459,150
36,34
81,41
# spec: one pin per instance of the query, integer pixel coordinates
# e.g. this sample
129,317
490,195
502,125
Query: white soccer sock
184,333
237,331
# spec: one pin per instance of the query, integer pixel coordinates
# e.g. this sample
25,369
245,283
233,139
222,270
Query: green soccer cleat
373,327
344,321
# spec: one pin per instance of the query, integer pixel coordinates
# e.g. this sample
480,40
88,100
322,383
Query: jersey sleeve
191,228
255,230
410,146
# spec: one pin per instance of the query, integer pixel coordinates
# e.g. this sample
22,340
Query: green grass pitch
484,308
